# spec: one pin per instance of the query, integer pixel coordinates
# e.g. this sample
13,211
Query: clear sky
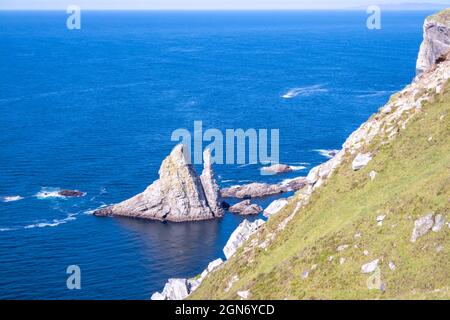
204,4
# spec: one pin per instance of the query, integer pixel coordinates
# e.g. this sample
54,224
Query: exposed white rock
422,226
214,265
392,265
342,247
341,260
372,175
179,289
365,252
158,296
320,173
243,294
175,289
370,267
436,42
178,195
233,279
361,160
439,222
313,175
241,234
275,207
264,244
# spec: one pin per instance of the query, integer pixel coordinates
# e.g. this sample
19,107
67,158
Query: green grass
413,179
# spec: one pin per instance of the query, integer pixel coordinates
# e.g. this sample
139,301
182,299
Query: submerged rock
178,195
241,234
71,193
245,208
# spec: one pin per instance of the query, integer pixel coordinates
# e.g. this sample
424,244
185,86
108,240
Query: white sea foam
11,198
327,153
296,168
246,165
46,193
304,91
375,94
91,211
53,223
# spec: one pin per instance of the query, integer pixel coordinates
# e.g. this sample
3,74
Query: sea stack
178,195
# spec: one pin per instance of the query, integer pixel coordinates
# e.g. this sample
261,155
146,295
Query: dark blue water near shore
93,109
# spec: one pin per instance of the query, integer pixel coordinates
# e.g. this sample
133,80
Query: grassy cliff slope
303,260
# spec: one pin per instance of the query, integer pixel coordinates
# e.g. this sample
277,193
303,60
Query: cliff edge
436,40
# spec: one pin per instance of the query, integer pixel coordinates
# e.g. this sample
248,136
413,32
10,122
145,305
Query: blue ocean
94,109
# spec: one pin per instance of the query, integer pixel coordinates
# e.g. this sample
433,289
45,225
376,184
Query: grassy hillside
413,179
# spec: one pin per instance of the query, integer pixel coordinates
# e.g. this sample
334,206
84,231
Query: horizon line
226,9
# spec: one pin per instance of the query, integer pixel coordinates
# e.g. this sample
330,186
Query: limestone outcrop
361,160
258,190
436,41
245,208
179,289
178,195
275,207
241,234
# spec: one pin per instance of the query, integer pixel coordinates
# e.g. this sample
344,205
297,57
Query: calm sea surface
94,109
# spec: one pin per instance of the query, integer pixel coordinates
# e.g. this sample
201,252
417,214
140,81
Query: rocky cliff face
178,195
436,40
